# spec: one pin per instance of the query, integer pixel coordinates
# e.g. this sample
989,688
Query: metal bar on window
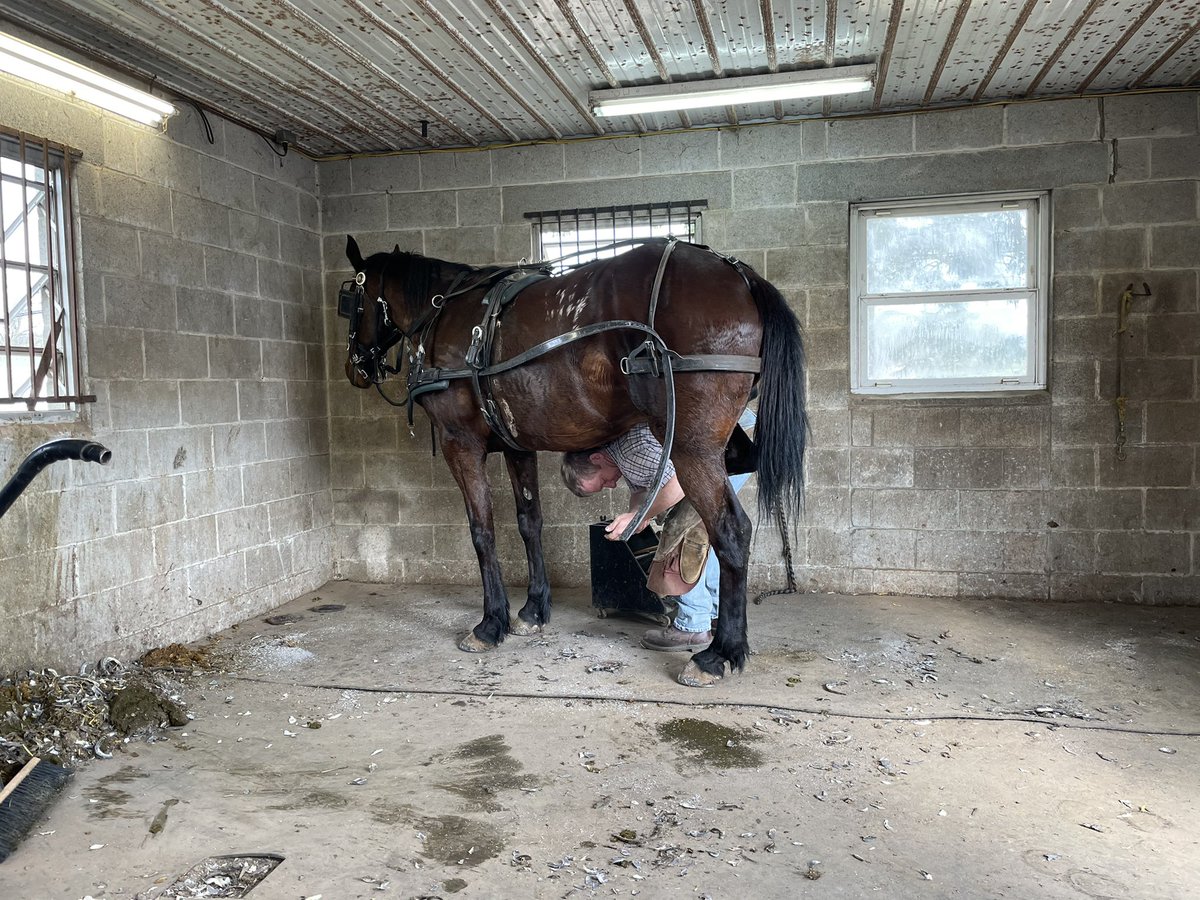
31,399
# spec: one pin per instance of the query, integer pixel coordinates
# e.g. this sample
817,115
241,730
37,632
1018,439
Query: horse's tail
782,430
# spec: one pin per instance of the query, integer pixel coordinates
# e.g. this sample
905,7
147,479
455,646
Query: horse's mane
417,274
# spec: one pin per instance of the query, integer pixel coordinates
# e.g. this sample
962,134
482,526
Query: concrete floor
875,747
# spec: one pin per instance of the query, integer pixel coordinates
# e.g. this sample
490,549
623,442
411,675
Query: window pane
949,339
948,251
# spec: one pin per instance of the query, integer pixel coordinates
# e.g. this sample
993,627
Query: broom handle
20,776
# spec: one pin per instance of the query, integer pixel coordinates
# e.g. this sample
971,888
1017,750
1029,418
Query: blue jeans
699,606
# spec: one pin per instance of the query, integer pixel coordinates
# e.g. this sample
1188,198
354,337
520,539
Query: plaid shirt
636,454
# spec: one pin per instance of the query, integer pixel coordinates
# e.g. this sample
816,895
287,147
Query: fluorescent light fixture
49,70
635,101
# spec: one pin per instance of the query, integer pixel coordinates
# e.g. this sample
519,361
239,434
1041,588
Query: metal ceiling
355,76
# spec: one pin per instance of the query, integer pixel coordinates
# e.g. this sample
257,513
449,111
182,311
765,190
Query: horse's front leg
466,461
522,470
729,531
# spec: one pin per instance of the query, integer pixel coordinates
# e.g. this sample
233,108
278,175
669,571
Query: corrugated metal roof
353,76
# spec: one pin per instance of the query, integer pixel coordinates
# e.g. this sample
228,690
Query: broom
25,799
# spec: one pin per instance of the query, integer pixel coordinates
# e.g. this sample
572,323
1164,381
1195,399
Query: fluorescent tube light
637,101
49,70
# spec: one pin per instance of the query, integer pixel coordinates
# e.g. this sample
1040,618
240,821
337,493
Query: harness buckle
472,356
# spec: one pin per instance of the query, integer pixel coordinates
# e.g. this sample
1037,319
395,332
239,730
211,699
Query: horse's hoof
472,644
521,628
694,676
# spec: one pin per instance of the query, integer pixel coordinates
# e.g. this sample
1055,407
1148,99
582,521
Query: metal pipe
51,452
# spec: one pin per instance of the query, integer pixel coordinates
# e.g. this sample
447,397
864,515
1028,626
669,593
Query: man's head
585,472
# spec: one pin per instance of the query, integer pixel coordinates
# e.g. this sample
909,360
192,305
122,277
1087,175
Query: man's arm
670,494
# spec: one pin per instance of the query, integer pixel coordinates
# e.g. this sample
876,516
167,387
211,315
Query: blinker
349,299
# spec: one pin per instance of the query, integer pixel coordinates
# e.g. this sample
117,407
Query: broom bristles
26,799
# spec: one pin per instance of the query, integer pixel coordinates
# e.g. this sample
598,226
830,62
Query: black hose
51,452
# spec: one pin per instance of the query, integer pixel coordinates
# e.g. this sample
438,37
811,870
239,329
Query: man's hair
578,465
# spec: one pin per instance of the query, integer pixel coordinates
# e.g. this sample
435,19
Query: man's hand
618,525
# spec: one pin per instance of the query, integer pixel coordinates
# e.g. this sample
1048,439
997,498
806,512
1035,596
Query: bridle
369,360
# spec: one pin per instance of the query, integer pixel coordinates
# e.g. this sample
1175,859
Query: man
634,457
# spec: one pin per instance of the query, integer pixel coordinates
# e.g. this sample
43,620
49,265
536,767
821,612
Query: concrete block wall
200,295
1017,496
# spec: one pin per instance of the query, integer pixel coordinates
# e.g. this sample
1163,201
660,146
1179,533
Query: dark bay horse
574,394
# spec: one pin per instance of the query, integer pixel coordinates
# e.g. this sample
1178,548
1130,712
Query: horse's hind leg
522,470
729,531
466,461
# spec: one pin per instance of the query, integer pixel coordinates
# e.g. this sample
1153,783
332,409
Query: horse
575,361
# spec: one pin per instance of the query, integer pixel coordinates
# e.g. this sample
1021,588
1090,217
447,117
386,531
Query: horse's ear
397,249
354,254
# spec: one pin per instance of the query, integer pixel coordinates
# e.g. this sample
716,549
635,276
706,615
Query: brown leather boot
671,638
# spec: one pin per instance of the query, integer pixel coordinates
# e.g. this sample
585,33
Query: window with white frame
39,360
571,237
949,295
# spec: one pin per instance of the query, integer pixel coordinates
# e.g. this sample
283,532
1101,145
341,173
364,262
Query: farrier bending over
635,456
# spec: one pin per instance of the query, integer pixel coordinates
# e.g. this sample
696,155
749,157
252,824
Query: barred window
569,237
39,331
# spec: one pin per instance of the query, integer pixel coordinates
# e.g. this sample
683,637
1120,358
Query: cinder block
239,529
939,174
1075,295
958,129
474,246
1151,202
354,213
1004,586
1175,157
171,355
1075,207
115,352
914,584
533,164
226,185
280,281
1174,290
873,467
227,270
1157,553
687,151
146,404
1175,246
261,400
1019,426
230,357
184,543
199,221
1146,467
783,227
386,174
956,551
914,509
255,317
965,468
1051,122
478,207
204,311
883,549
585,160
907,427
209,491
301,247
797,263
1171,590
752,147
426,209
206,402
1150,115
135,202
455,170
1102,249
765,187
168,260
864,139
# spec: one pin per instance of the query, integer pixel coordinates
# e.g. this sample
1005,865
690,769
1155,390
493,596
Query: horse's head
373,329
